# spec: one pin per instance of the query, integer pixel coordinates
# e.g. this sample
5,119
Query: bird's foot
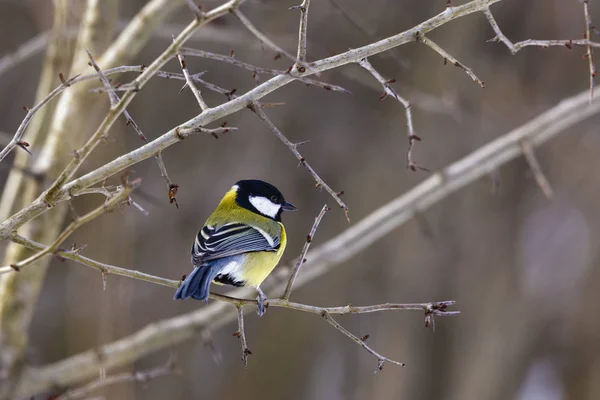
260,300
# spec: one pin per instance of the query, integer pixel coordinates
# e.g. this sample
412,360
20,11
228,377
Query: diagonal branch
258,70
171,187
536,169
388,91
113,97
257,109
137,376
447,57
380,359
189,82
302,258
121,195
267,42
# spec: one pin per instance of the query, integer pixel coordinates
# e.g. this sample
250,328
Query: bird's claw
260,303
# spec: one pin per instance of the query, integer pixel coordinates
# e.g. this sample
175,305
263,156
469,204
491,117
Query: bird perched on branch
240,243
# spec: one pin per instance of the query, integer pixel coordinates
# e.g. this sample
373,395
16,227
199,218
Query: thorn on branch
173,188
24,145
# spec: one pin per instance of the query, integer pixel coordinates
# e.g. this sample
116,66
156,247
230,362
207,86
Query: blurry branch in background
257,109
388,91
536,169
323,259
586,41
139,377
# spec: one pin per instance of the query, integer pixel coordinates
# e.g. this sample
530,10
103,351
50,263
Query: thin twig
137,377
340,6
389,91
190,83
380,359
241,334
302,258
171,187
589,53
500,36
536,169
26,50
447,57
258,70
116,200
257,109
113,97
267,42
302,30
194,8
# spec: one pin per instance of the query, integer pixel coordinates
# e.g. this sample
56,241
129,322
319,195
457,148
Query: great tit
240,243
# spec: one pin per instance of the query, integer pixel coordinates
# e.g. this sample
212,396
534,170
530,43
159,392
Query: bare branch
257,109
190,83
589,53
41,205
51,195
24,51
447,57
380,359
388,91
260,36
241,334
171,187
258,70
301,55
302,258
194,8
113,97
137,377
500,37
267,42
536,169
115,200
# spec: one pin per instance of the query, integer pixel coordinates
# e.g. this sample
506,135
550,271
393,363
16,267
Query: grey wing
231,239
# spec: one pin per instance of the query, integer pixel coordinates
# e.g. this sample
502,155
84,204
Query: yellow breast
259,265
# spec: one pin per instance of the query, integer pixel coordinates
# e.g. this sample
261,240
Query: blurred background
523,269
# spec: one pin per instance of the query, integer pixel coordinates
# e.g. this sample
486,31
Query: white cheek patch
265,206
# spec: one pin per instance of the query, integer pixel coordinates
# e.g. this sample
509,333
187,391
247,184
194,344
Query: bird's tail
196,284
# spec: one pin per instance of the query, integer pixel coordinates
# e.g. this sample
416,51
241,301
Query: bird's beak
288,207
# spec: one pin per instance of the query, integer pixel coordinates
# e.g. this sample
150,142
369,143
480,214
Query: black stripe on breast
228,280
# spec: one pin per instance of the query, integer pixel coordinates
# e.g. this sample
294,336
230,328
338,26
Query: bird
240,243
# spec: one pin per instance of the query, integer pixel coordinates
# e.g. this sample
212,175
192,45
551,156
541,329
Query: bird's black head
262,198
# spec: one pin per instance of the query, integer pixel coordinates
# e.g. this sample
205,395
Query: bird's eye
274,199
